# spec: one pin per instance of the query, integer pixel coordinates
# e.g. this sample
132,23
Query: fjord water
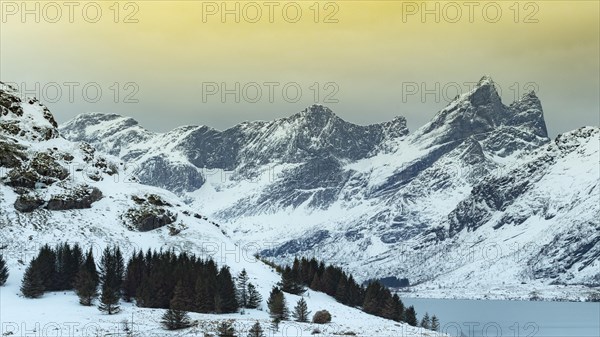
493,318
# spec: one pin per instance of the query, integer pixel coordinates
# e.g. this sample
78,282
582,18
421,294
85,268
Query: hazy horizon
165,63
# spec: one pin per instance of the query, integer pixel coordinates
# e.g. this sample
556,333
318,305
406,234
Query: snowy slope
53,190
384,202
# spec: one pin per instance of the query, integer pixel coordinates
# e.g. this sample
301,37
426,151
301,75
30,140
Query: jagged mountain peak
315,115
316,110
481,111
484,93
527,113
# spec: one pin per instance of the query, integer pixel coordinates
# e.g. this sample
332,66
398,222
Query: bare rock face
11,153
150,213
41,169
28,203
80,198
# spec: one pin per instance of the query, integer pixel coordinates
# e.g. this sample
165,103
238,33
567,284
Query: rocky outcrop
11,153
78,198
28,203
37,125
150,213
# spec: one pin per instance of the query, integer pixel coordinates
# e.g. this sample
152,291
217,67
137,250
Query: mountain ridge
54,191
313,184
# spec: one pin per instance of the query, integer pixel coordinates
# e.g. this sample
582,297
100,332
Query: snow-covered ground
107,222
60,314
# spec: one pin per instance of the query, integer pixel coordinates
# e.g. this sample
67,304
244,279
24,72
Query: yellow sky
371,52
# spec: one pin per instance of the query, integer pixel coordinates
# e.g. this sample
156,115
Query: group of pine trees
65,267
55,269
432,323
278,309
158,279
277,305
247,295
374,299
182,283
154,280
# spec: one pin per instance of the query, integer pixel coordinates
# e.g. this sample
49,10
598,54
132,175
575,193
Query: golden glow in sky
358,57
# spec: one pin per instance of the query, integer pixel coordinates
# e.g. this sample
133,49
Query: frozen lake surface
479,318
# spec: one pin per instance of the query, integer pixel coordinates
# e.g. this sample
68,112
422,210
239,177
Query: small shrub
322,317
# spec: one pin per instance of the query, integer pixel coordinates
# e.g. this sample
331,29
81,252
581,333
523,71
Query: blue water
487,318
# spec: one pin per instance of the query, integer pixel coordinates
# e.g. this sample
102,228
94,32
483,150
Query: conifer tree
254,298
341,293
329,281
111,279
176,317
109,300
133,276
46,261
399,308
3,271
73,260
301,312
86,280
206,287
256,331
372,303
225,329
410,316
277,305
32,285
61,281
426,321
289,283
226,291
354,293
242,288
390,310
204,300
435,323
86,287
181,300
89,264
316,283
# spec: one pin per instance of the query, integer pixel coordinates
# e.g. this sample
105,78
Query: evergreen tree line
374,299
176,317
155,278
55,269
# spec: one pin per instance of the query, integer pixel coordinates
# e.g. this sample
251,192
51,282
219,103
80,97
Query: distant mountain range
479,201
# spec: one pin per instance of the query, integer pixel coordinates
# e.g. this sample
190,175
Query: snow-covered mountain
478,199
54,190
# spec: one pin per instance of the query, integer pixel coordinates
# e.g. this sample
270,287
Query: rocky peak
396,127
484,93
481,111
315,115
85,125
527,112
